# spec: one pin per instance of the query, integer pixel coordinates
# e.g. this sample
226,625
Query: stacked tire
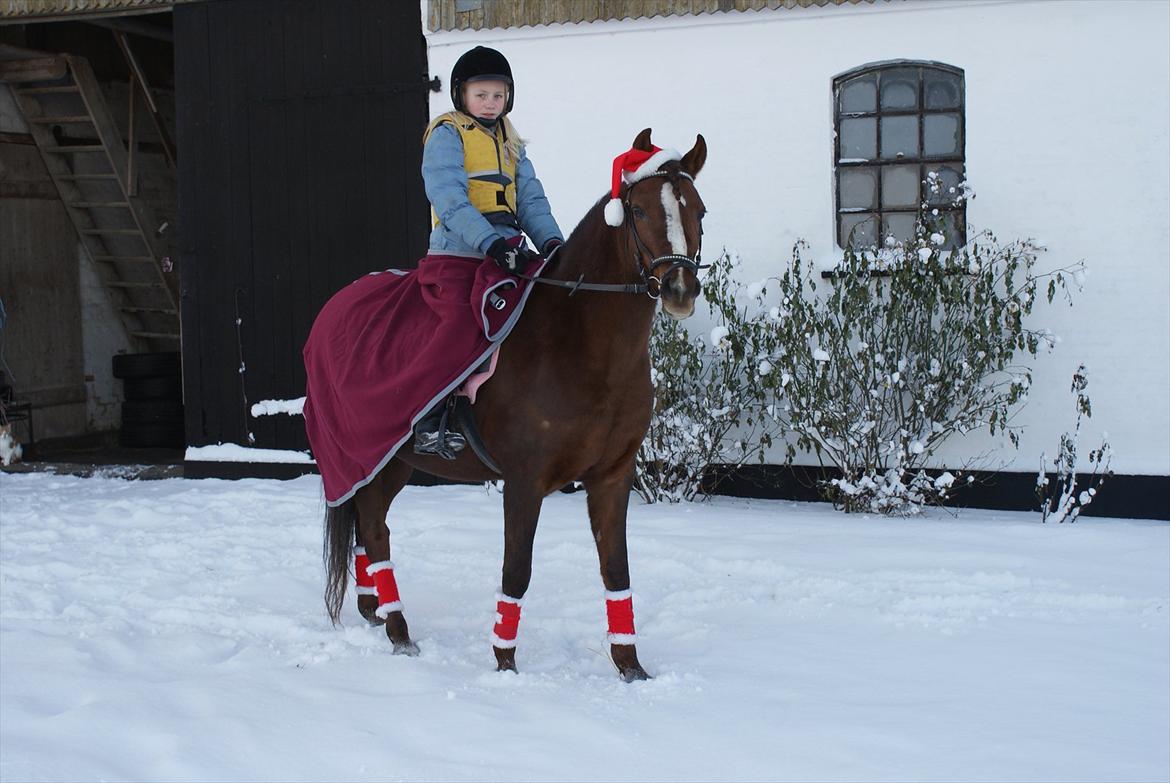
152,411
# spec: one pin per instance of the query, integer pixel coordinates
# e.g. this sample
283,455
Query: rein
651,284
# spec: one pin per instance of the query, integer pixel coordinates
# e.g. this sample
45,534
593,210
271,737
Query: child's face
485,99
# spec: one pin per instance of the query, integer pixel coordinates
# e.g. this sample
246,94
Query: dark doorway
299,130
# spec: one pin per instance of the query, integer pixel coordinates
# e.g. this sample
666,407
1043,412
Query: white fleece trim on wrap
366,590
618,595
503,644
509,599
381,565
384,610
621,638
359,550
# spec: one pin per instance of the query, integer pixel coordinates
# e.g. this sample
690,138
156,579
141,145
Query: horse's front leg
608,501
378,598
521,512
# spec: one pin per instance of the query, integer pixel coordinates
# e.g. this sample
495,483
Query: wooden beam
37,69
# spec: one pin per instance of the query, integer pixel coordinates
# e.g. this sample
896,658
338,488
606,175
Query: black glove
511,259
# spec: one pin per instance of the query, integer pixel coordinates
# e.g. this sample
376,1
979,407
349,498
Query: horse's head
663,221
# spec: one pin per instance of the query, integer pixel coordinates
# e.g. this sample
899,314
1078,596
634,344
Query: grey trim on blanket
463,376
483,306
457,253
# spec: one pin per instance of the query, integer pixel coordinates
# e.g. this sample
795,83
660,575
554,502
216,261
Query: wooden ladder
98,189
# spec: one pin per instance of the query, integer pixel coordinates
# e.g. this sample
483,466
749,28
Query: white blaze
674,226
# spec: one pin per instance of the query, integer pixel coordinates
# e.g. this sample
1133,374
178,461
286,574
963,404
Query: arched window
898,125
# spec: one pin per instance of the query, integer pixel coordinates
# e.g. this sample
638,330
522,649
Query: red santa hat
631,166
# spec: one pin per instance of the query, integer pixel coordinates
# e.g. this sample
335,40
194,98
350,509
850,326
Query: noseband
651,284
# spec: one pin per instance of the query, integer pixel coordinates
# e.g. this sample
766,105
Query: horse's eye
639,213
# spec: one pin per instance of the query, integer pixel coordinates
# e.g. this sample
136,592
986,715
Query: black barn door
300,135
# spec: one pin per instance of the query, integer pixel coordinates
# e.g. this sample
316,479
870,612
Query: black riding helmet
479,64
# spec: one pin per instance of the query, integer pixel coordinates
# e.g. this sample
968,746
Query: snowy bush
1059,500
707,393
907,347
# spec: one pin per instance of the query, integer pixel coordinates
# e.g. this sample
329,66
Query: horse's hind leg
608,501
373,534
367,589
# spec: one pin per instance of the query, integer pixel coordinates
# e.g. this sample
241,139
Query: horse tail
340,524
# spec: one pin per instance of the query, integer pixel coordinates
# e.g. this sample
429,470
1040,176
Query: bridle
651,284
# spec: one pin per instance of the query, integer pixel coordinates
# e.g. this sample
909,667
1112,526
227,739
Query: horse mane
589,222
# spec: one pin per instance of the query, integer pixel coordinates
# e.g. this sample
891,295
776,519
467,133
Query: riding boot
431,435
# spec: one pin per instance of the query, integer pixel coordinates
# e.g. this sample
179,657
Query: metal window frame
879,163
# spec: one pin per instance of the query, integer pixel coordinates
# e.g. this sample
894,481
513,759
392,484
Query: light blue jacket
462,228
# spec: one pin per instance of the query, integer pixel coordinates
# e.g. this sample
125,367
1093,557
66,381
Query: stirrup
440,443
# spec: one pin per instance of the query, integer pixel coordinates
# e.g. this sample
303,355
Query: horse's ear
642,142
693,161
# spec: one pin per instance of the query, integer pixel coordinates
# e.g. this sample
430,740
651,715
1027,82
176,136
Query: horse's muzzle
678,293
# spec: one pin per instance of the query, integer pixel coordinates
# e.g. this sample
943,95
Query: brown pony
570,401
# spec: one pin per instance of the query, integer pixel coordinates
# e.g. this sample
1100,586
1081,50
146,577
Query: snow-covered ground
174,630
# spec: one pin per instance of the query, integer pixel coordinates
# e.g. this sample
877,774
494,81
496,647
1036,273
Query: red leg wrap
386,587
507,622
619,611
361,562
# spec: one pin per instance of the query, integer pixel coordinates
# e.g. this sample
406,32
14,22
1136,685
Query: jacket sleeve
532,207
445,181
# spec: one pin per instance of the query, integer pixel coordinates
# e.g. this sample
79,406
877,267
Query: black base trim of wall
279,470
243,470
1127,496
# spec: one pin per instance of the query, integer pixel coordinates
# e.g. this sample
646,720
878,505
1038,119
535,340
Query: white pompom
615,213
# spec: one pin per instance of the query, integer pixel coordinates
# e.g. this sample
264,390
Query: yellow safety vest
490,159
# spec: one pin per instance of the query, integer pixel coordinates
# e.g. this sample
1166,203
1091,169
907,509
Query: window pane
858,139
899,137
857,188
899,225
900,88
859,94
899,186
952,224
940,134
862,227
948,179
943,90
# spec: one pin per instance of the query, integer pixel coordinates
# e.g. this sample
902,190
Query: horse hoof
505,659
368,607
625,658
408,648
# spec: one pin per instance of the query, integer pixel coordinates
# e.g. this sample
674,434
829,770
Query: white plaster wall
103,336
1068,141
